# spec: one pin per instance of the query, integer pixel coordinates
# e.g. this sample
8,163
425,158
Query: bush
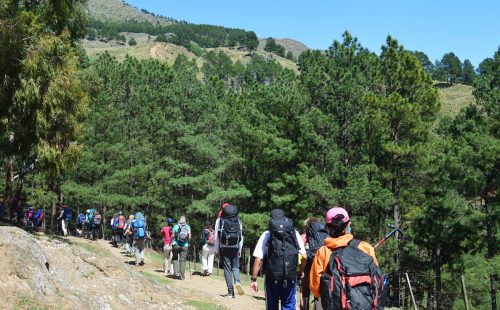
132,42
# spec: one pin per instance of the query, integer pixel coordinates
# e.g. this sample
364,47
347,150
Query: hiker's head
308,222
277,213
139,215
131,217
65,206
337,220
208,224
120,213
182,220
170,221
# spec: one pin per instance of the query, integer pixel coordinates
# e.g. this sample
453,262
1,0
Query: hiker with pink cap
343,259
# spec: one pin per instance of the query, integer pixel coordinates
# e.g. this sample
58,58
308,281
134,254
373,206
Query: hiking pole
389,235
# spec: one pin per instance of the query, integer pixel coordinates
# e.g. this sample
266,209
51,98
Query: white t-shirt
261,248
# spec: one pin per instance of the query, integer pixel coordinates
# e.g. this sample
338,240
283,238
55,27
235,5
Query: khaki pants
139,250
167,254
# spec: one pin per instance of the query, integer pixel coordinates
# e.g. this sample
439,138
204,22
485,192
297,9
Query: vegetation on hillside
178,33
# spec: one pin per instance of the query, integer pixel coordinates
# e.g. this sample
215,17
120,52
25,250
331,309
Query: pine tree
468,73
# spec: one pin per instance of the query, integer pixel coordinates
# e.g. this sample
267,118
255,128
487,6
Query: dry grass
146,48
454,98
117,10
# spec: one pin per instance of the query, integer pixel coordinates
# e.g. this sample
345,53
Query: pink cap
334,212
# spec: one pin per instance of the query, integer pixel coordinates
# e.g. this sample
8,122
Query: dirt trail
195,287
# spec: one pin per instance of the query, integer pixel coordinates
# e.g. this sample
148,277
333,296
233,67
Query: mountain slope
116,10
296,47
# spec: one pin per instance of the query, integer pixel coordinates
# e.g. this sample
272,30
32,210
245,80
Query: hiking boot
239,288
141,263
230,293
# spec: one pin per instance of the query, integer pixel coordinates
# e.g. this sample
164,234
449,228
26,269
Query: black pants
231,264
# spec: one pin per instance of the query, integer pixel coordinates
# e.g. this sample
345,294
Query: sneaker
239,288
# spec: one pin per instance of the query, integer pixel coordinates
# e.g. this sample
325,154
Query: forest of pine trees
352,128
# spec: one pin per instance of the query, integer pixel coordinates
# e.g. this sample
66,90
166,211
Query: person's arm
317,270
216,243
258,253
240,246
302,252
254,287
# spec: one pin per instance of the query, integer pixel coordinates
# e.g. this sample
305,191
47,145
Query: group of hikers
341,272
323,260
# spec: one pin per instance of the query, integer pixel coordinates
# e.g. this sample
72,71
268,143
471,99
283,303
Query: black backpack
352,281
230,227
282,250
316,235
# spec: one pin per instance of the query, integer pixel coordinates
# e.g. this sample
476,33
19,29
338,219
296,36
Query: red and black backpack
352,281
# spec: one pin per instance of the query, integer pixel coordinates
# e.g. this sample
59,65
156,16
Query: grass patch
204,305
160,279
454,98
26,302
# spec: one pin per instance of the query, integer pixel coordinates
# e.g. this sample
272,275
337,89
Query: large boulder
44,271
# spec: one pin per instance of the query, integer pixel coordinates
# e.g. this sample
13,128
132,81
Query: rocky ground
42,272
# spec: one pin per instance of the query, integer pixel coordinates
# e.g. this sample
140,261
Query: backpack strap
354,243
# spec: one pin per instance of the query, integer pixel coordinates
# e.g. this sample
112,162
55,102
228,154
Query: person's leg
305,290
175,258
118,237
166,255
205,252
63,226
210,259
287,295
182,261
139,248
271,289
227,263
235,262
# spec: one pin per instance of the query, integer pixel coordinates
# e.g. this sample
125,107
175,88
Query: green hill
454,98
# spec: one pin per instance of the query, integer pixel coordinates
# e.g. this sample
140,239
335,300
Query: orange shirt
322,258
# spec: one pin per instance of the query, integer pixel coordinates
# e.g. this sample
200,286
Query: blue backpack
139,231
81,218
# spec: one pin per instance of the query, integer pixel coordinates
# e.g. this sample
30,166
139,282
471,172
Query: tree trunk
493,292
9,180
437,269
490,233
430,292
17,198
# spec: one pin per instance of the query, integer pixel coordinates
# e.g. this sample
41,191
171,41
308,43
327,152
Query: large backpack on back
352,281
230,227
282,255
97,219
182,236
316,235
139,230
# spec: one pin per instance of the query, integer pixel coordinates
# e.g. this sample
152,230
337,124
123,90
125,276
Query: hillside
117,10
454,98
167,52
292,45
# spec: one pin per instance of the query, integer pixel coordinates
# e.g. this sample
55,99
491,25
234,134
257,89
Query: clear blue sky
470,29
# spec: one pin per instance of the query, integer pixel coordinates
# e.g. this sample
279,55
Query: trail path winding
194,287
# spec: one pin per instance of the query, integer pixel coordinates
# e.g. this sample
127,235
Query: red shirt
167,238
